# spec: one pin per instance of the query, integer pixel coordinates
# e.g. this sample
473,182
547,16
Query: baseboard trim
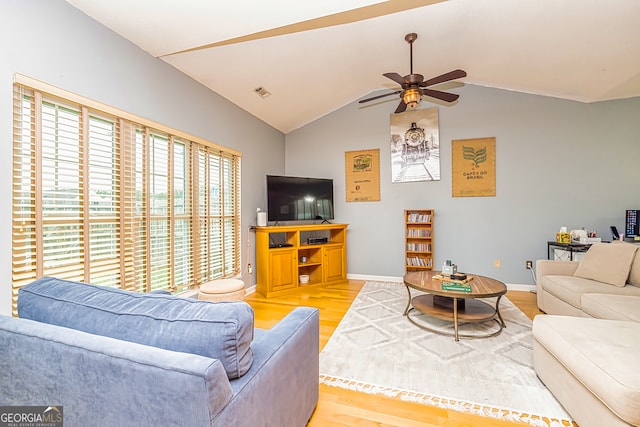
521,287
372,278
510,286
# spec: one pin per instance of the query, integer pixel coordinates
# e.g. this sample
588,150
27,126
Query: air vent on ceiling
262,92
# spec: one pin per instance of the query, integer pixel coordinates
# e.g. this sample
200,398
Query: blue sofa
112,357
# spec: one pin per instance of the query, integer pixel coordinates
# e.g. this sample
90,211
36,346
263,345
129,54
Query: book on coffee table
456,286
443,278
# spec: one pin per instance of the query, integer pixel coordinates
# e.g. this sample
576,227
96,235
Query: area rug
376,350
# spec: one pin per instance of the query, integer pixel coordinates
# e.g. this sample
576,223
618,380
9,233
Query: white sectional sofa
583,289
587,346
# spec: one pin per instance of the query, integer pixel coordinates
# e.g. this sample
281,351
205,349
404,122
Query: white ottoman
222,290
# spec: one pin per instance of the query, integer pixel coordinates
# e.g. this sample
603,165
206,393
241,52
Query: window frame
129,212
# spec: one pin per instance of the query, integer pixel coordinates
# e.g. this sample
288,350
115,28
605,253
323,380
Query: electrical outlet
249,269
497,263
529,265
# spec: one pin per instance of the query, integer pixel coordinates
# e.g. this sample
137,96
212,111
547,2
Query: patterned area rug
375,349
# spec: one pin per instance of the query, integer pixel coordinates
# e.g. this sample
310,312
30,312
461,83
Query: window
104,197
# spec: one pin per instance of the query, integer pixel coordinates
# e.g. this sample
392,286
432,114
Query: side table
572,249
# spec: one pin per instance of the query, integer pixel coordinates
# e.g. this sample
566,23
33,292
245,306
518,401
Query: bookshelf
418,238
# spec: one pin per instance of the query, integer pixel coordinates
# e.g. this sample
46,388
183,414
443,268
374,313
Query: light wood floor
340,407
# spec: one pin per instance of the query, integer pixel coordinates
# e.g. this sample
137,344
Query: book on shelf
418,232
417,217
419,247
417,261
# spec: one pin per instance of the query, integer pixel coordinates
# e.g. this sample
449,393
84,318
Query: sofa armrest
102,381
546,267
281,388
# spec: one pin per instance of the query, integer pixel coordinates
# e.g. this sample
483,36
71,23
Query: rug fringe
444,403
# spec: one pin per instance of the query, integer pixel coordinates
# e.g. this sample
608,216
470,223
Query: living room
559,163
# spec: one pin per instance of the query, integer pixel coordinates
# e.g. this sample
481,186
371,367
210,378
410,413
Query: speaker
262,219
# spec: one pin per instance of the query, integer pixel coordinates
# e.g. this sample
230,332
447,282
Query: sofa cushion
222,331
607,262
634,274
614,307
570,289
601,354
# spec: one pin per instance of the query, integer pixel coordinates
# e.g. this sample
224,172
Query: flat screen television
293,198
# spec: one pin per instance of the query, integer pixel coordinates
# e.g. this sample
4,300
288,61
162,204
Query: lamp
412,97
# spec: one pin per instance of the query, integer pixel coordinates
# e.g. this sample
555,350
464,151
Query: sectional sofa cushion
570,289
608,263
634,274
613,307
601,354
222,331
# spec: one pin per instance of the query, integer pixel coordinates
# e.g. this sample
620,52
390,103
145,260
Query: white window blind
101,197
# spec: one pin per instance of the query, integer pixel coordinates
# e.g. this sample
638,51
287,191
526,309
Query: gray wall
558,163
51,41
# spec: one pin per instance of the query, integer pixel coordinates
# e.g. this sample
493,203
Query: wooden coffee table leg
455,317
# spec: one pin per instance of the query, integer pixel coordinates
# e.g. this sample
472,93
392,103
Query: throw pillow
607,263
634,274
222,331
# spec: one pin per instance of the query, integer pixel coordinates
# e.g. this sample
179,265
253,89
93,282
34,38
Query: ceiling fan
414,87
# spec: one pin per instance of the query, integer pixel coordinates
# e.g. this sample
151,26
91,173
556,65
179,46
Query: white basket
304,278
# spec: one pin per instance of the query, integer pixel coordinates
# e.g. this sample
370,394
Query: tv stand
279,267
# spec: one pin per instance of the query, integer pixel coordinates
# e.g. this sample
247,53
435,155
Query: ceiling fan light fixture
412,97
413,86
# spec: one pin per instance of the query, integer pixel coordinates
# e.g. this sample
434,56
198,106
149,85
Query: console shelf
280,251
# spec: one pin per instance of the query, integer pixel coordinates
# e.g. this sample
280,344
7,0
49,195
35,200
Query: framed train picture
415,146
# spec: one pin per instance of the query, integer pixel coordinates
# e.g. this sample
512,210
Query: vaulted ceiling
315,56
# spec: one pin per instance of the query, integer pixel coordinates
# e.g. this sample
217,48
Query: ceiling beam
347,17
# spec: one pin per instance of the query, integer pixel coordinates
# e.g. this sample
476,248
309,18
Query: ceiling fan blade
396,78
445,96
451,75
401,107
379,96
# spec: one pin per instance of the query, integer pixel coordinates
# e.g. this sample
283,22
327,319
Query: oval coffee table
454,305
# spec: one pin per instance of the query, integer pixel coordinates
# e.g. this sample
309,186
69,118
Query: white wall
51,41
558,163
